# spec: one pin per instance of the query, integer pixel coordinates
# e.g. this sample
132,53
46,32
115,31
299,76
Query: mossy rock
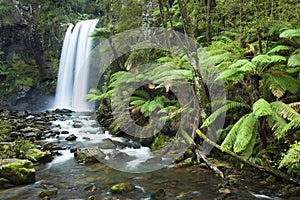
47,193
4,183
36,155
122,188
160,142
114,128
18,171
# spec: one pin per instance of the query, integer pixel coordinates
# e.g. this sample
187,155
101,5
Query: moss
160,142
19,172
47,193
114,128
35,155
122,187
186,162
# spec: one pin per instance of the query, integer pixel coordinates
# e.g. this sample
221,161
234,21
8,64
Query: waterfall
72,82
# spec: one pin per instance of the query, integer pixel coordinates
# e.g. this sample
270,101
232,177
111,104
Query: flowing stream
79,181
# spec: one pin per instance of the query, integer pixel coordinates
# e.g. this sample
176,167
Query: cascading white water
72,82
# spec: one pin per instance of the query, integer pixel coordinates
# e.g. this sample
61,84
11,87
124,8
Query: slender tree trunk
208,15
191,50
259,37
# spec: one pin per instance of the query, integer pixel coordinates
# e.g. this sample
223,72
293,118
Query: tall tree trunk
191,50
259,37
208,15
165,24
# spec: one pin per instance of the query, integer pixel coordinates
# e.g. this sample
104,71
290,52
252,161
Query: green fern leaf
145,109
245,133
230,139
239,63
279,82
290,33
278,48
142,93
233,74
292,125
284,110
294,60
262,108
249,149
261,59
277,123
277,59
229,106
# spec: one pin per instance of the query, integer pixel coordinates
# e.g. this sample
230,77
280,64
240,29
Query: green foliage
19,73
291,160
5,128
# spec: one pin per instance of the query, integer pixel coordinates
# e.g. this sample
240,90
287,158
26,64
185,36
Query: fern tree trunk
208,15
191,50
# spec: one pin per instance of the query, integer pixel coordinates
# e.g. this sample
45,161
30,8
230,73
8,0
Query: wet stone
71,137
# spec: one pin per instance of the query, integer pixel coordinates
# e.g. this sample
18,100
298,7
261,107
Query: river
73,180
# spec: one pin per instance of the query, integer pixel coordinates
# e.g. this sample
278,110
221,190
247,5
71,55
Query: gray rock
71,137
89,155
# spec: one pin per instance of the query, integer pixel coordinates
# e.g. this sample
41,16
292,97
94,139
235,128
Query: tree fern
262,108
229,106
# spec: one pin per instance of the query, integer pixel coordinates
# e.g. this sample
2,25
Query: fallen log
274,172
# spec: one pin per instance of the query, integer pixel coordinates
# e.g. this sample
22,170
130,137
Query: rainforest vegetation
254,45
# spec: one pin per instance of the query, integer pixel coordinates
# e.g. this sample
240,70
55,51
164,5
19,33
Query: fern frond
294,60
230,139
284,110
229,106
239,63
290,33
293,125
245,133
277,58
262,108
279,82
232,74
295,106
248,151
142,93
261,59
278,48
292,157
277,123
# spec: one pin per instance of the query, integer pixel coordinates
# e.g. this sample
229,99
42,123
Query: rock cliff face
29,53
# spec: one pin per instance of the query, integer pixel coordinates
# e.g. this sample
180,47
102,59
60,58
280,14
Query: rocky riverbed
37,162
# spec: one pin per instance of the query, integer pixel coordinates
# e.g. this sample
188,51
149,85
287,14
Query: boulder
71,137
47,193
123,187
89,155
36,155
17,171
